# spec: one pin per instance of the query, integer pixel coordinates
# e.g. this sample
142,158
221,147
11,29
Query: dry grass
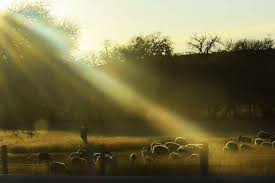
21,148
65,142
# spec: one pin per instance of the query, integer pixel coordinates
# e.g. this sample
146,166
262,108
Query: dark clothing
84,134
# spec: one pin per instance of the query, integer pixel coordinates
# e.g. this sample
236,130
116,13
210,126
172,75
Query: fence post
204,155
4,159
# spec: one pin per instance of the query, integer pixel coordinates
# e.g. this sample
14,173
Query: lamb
57,168
44,156
182,141
172,146
245,139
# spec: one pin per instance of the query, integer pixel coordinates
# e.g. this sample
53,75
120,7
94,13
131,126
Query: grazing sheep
245,148
258,141
266,144
196,148
57,168
184,151
172,146
160,150
44,157
175,156
154,144
106,164
200,145
132,159
263,135
233,146
111,165
272,138
195,156
75,154
96,155
182,141
244,139
84,153
100,164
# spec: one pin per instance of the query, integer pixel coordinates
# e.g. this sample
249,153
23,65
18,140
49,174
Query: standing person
84,133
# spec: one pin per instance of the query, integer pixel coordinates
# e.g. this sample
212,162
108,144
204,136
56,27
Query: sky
118,20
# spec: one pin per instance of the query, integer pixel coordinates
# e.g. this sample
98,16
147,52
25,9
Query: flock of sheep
105,163
264,140
81,161
178,149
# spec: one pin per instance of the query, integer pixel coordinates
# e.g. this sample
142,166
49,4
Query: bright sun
5,3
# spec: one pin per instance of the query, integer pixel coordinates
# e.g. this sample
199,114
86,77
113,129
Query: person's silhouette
84,133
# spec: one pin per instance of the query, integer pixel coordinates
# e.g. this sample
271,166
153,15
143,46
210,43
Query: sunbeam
161,118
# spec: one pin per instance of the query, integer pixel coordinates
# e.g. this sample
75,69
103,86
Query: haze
120,19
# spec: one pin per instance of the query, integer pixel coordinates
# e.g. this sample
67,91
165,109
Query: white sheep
195,156
184,152
182,141
172,146
233,146
245,139
264,135
175,156
245,148
106,164
132,159
160,150
258,141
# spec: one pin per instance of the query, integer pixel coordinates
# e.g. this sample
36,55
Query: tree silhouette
147,47
204,43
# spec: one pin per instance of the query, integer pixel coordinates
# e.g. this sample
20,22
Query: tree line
215,80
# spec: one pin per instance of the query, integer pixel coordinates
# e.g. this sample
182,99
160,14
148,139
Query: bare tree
204,43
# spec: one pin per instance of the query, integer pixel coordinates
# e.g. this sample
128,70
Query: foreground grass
23,158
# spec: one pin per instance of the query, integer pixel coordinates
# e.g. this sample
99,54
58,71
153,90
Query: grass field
23,155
